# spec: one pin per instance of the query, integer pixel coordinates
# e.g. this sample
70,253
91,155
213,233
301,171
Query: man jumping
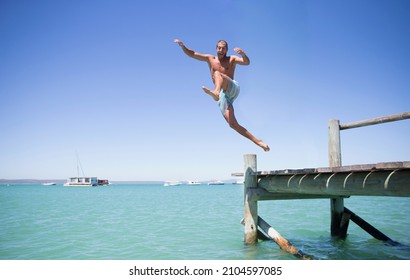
226,89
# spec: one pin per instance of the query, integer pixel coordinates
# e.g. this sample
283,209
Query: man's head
221,48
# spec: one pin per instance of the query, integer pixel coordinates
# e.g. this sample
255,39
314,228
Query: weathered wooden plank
392,118
393,165
283,243
336,169
261,194
369,228
288,171
366,167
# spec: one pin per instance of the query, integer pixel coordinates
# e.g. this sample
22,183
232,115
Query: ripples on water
184,222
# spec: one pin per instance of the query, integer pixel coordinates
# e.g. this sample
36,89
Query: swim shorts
227,97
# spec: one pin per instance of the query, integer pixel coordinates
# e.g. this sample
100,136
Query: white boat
49,184
84,181
81,182
193,183
217,182
172,183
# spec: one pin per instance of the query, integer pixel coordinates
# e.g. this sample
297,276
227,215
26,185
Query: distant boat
217,182
193,183
81,182
85,182
49,184
172,183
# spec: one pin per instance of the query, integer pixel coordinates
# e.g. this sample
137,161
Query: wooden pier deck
335,182
381,179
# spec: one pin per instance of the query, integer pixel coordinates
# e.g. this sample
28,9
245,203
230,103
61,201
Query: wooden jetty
335,182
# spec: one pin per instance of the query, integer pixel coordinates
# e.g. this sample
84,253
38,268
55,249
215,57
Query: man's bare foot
214,95
263,146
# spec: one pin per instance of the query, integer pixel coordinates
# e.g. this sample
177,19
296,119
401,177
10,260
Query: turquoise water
131,222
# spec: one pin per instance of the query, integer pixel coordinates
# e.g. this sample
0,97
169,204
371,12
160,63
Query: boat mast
79,166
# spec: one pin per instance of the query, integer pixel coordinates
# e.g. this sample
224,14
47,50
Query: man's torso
225,66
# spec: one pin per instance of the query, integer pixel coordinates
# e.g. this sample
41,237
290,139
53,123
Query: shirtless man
226,89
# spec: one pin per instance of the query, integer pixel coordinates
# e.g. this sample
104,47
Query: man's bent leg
221,81
229,116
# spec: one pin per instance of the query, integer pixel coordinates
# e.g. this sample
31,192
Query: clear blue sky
105,79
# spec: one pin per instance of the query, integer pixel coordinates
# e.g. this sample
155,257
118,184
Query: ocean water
153,222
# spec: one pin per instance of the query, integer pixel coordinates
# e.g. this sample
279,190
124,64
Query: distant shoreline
60,181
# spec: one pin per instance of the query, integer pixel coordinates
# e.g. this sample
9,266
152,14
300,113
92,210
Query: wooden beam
284,244
391,118
369,228
346,168
260,194
370,183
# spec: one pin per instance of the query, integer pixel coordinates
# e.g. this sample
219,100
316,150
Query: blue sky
105,79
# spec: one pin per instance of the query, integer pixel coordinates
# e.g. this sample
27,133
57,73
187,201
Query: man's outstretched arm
191,53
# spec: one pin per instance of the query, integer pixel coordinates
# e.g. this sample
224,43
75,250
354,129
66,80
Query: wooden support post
250,204
335,159
334,147
284,244
344,224
369,228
